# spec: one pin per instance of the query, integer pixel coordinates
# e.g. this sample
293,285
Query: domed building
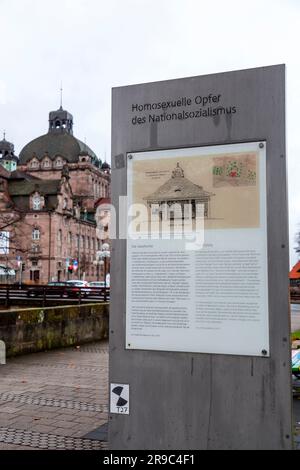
48,203
46,156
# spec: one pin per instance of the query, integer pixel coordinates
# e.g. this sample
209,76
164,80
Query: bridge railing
294,294
10,294
295,298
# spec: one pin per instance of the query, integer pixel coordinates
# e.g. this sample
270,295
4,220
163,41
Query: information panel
197,277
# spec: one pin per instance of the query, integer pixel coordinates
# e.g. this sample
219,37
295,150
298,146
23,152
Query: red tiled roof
295,272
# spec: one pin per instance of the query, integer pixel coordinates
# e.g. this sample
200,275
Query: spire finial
178,172
61,95
4,134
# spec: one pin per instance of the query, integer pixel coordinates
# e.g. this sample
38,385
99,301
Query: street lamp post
102,263
103,255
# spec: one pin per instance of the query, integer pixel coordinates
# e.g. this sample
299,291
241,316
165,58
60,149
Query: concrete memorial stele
199,300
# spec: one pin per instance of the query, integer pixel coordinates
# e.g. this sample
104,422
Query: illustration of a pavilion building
175,195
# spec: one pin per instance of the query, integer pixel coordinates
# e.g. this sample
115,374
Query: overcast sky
93,45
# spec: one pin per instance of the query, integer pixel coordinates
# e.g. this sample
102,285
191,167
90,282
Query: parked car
98,284
62,289
17,285
82,286
97,288
52,288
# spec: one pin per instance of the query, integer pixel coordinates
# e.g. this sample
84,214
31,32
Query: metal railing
11,294
294,296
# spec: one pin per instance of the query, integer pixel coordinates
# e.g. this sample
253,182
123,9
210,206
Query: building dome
6,148
8,159
105,166
59,141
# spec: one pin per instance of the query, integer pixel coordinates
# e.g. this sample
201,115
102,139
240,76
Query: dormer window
36,202
46,163
84,158
59,162
34,164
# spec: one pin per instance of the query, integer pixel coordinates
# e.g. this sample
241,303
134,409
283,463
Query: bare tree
15,233
297,240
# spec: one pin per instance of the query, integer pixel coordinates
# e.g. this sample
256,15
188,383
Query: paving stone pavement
51,400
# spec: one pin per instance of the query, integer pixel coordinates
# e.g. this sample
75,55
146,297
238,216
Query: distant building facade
47,206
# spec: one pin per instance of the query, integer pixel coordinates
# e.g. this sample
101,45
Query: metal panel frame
204,401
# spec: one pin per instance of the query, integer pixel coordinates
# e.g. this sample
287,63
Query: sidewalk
53,400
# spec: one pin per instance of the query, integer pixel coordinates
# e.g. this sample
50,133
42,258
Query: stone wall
40,329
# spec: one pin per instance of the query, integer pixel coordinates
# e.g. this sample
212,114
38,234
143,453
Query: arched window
57,124
59,241
36,234
36,202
